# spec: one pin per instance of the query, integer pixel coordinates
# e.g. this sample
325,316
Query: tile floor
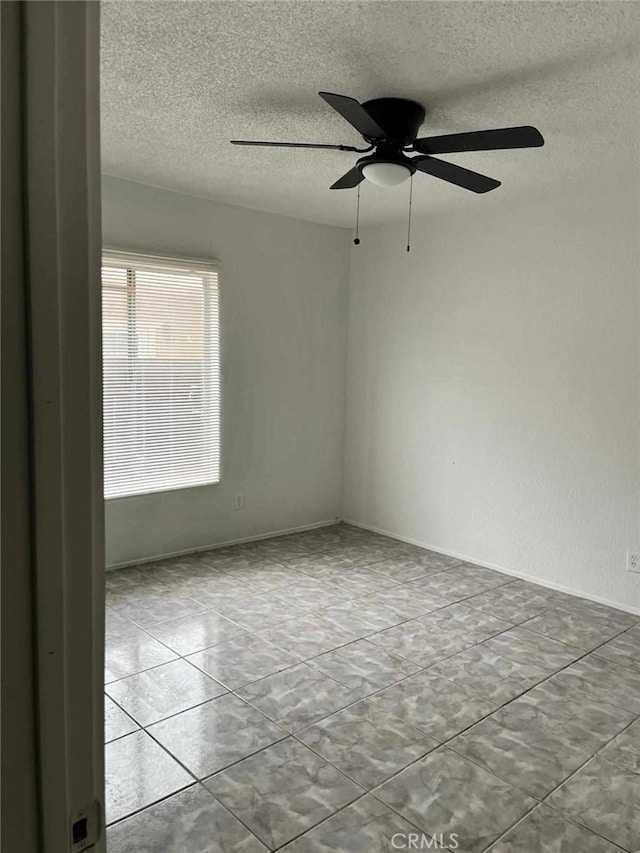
336,690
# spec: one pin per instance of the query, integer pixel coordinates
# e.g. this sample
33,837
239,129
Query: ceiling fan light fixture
390,126
386,174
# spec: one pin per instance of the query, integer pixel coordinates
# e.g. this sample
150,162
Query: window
161,363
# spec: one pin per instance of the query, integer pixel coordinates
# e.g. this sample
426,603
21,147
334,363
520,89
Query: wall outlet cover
633,561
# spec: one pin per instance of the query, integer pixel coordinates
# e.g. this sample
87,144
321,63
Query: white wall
284,287
493,379
493,384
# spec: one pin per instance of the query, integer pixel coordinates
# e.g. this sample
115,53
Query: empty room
364,394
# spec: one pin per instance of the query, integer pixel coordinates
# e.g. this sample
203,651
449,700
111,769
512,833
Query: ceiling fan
390,126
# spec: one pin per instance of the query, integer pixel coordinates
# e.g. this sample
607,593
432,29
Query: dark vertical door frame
60,61
20,825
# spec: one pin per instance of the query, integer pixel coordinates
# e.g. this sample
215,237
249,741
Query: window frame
212,348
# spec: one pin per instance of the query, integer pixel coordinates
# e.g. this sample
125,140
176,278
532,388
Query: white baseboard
465,557
521,575
167,556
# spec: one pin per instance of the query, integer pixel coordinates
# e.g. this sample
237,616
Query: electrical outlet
633,561
238,501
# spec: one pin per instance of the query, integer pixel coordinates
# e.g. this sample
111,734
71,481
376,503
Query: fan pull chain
356,242
410,205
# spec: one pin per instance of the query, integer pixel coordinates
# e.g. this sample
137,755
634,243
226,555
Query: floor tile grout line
318,611
145,729
234,690
568,819
306,660
511,784
231,812
196,779
169,753
141,671
145,726
573,818
308,828
366,595
601,748
616,662
551,607
287,733
257,634
255,631
198,783
454,653
421,670
128,715
422,829
394,545
236,816
109,825
273,591
359,699
359,565
366,791
228,692
439,745
510,828
447,741
329,817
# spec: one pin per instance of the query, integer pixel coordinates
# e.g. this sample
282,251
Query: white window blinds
161,364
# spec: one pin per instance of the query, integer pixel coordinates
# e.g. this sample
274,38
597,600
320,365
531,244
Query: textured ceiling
179,79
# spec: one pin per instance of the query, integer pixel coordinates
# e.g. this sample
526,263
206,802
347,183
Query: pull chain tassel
357,240
410,205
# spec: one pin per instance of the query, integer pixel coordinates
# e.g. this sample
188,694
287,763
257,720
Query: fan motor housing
401,118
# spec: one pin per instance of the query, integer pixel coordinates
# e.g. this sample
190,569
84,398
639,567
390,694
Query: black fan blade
295,145
355,114
481,140
351,179
455,174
